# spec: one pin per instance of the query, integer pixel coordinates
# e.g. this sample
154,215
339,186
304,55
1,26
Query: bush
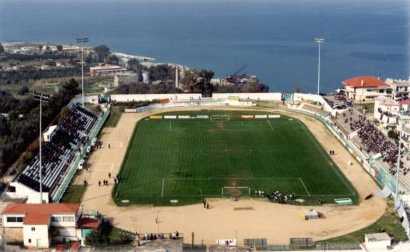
23,90
393,134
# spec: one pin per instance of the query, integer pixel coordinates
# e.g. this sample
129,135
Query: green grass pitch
188,159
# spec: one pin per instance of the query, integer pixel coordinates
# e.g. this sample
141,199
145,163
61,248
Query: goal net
235,191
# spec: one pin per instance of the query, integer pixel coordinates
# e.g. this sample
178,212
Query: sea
272,39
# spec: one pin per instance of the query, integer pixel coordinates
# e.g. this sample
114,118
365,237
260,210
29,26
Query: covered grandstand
73,138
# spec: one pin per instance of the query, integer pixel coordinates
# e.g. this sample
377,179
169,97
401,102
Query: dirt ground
227,219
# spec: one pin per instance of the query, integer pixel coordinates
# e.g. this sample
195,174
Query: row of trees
20,121
249,87
142,88
194,82
30,73
31,57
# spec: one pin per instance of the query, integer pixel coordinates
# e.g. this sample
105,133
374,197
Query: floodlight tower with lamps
319,41
41,98
401,123
80,41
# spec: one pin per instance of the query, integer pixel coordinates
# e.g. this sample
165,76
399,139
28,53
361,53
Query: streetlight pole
398,166
40,153
319,41
80,41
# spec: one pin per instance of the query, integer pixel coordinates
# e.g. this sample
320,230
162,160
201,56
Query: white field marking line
333,195
270,125
223,178
162,187
304,186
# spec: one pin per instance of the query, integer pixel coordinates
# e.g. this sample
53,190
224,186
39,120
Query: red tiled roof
364,82
405,102
36,219
89,223
40,213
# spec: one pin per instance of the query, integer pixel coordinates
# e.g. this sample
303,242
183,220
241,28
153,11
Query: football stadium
185,157
251,166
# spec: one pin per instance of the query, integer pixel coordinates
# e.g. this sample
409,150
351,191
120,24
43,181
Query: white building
125,77
400,88
49,133
387,110
377,241
37,225
364,89
106,70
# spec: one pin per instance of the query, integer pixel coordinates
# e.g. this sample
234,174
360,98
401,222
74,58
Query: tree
4,129
134,65
112,59
198,81
206,87
17,134
393,134
23,90
1,49
59,48
102,52
161,72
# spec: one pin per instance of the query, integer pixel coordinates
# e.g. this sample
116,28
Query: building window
29,240
56,218
33,229
14,219
68,218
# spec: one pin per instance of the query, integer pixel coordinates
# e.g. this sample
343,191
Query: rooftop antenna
81,41
319,41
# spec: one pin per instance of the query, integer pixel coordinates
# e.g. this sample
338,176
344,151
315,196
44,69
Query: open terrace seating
372,140
57,155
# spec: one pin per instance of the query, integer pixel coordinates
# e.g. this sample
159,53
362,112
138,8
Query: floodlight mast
398,164
81,41
319,41
41,97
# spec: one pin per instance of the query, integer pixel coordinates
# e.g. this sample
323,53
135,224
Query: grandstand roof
60,152
364,82
36,214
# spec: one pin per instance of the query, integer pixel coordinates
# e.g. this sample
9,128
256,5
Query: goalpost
235,191
220,117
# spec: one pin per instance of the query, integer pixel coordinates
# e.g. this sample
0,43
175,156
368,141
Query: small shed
377,241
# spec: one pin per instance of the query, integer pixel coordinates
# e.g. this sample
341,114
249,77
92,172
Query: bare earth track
259,219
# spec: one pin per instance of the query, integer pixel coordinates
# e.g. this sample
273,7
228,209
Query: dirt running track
262,219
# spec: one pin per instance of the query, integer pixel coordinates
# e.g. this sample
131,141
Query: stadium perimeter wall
192,96
250,96
151,97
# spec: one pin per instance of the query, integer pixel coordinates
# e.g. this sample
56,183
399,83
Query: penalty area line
304,186
270,125
162,187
